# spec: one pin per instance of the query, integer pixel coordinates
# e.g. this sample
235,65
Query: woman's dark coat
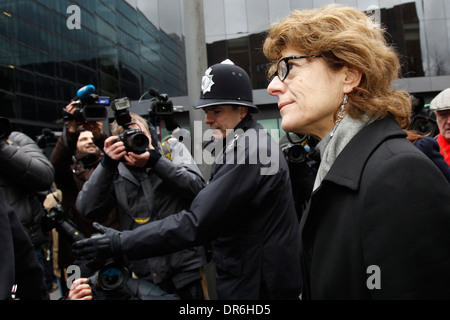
379,225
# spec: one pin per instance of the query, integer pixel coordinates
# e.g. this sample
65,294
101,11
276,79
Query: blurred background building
125,47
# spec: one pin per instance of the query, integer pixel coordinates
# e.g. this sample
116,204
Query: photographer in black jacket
147,187
20,267
24,172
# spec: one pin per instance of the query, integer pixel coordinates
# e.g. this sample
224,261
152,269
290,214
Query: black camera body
134,140
294,151
423,119
161,105
110,276
90,106
301,156
56,218
93,108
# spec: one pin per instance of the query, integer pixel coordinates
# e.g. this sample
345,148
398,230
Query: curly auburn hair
345,36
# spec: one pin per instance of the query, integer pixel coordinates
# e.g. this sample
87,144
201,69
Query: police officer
246,211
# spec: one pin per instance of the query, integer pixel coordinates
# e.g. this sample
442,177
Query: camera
423,119
110,276
295,151
47,138
56,218
90,106
161,105
110,280
134,140
5,129
302,159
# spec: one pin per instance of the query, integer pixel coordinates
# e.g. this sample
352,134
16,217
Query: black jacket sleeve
19,261
24,163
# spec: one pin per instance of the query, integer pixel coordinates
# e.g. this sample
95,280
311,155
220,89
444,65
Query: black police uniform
249,216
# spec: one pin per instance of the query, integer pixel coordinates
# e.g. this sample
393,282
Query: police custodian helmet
226,84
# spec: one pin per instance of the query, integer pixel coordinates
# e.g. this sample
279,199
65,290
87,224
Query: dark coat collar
348,167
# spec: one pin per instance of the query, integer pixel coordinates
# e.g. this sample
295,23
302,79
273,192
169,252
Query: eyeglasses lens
282,69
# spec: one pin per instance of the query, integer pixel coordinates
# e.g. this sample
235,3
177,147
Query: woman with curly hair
377,223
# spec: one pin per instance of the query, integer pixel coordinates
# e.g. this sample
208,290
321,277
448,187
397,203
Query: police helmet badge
207,81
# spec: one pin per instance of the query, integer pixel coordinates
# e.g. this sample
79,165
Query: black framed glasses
283,66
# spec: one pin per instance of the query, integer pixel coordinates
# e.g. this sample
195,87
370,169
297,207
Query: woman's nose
276,86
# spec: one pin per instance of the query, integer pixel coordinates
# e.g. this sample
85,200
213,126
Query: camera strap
165,150
121,195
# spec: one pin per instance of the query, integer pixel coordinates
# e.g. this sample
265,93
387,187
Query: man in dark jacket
247,209
20,267
75,156
25,171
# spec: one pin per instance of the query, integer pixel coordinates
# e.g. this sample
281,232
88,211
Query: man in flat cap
441,105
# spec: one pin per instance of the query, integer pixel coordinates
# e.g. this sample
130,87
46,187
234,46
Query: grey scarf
330,146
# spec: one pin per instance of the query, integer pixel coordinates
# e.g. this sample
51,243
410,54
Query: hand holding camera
80,290
89,106
87,110
116,150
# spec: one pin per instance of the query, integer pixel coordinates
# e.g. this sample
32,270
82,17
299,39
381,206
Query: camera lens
423,126
111,277
296,154
134,140
139,142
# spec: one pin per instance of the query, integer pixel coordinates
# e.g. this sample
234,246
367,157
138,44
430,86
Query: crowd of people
375,224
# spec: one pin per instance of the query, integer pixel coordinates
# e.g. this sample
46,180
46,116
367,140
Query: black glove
99,248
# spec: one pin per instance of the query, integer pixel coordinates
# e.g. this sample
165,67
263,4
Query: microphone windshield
86,91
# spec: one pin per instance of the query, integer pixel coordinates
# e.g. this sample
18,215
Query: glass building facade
122,47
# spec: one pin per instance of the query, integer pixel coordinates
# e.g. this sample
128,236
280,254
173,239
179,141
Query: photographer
302,163
24,171
19,262
145,186
75,156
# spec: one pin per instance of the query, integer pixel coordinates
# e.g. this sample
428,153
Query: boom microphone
153,92
85,92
